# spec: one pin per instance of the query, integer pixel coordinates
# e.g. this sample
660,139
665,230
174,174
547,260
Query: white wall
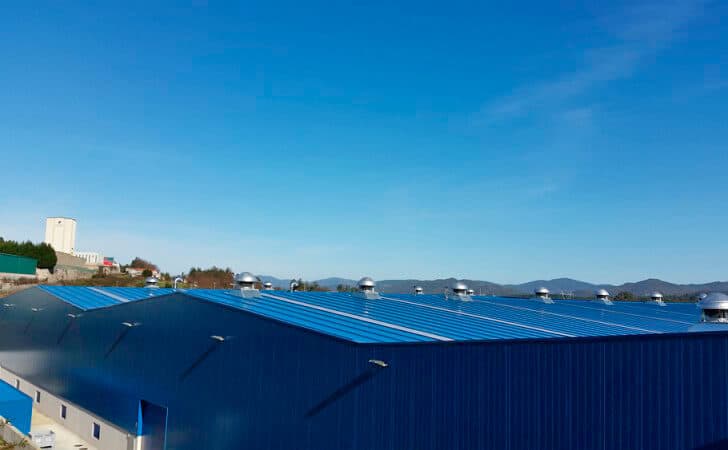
60,232
11,434
91,257
78,420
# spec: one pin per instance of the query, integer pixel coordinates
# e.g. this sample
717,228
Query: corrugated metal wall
272,386
17,264
15,407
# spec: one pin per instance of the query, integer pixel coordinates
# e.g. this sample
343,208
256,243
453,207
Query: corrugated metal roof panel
417,318
324,322
87,298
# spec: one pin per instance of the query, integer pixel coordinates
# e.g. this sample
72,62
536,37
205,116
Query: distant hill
277,282
438,286
639,288
557,285
566,285
331,283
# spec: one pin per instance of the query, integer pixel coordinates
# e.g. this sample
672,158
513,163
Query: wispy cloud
639,33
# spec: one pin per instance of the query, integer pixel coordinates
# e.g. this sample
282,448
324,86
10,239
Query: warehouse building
152,368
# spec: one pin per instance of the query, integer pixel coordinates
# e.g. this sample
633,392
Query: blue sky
496,142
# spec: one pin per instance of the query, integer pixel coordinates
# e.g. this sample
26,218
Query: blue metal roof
418,318
333,322
406,318
87,298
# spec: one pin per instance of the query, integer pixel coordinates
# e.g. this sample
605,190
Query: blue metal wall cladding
275,386
15,407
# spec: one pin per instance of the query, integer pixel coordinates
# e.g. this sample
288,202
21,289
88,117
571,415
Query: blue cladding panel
620,318
323,322
88,298
418,318
273,386
443,323
132,293
15,407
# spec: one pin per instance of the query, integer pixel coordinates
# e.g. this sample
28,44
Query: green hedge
43,253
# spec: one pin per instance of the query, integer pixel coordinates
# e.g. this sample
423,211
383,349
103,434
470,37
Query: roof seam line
478,316
664,319
541,311
363,319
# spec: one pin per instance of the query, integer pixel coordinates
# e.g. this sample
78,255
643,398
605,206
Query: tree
47,258
214,277
147,273
624,296
43,253
139,263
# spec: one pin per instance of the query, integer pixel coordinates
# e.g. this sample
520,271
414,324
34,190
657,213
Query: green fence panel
17,264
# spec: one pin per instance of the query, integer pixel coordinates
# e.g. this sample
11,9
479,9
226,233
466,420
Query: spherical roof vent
366,289
714,313
656,297
470,291
603,295
459,286
268,285
542,291
245,281
151,282
715,300
460,290
543,295
245,278
366,284
418,290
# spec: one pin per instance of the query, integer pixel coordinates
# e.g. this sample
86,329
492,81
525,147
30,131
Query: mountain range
559,285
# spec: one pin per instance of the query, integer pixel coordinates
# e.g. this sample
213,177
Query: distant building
109,265
60,232
69,261
92,258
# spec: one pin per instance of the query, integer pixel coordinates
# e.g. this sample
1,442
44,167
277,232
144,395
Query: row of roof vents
602,295
714,306
245,281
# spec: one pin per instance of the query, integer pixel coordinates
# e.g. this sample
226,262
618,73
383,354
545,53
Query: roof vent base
367,295
249,293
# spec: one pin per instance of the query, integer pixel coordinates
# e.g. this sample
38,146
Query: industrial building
60,233
151,368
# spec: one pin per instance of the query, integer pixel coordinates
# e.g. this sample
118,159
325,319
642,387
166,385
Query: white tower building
60,232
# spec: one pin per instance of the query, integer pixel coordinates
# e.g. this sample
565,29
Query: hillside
559,285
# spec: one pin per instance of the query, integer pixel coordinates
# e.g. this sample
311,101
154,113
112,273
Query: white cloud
639,33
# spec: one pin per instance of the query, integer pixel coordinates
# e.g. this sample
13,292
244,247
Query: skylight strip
110,295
